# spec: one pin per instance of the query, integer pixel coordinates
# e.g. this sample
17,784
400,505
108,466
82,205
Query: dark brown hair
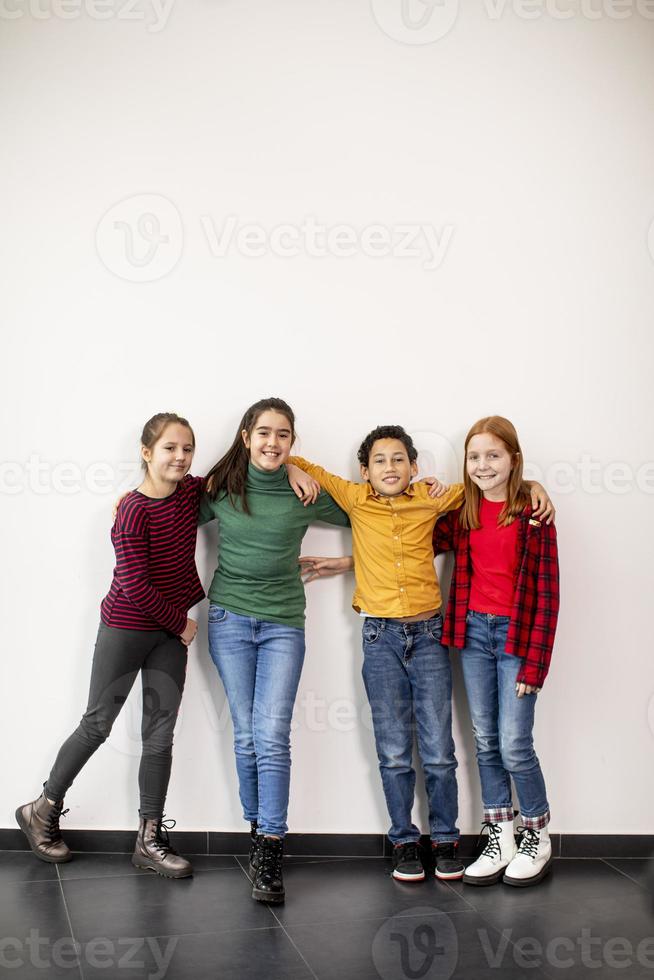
154,427
386,432
229,475
517,496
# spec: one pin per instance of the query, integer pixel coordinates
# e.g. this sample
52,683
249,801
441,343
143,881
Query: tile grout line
623,873
298,951
136,874
70,925
542,972
281,926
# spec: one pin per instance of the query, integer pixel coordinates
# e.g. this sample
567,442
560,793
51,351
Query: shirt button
401,588
398,564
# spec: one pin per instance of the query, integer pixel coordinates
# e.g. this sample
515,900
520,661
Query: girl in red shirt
502,611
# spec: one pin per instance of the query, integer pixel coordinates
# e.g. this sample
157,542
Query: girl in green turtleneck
256,618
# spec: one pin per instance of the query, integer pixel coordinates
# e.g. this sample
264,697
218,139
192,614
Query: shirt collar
409,492
263,480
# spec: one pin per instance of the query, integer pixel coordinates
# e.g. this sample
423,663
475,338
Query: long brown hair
517,495
229,475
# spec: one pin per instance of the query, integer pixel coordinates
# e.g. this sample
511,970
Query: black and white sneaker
407,865
447,864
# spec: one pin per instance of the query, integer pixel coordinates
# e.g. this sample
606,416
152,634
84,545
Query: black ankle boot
268,881
254,850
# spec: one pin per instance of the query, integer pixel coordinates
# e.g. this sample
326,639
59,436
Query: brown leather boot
154,853
39,821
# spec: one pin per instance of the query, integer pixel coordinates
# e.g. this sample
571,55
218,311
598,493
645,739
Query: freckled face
489,465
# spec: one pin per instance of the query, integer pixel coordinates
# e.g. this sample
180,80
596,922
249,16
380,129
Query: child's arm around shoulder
206,510
344,492
443,499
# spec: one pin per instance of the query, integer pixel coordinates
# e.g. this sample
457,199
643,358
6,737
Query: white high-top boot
533,860
499,852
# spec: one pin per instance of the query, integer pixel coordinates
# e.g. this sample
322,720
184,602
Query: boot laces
492,848
56,812
271,857
411,851
529,841
161,840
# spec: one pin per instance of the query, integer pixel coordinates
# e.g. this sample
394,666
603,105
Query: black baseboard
331,845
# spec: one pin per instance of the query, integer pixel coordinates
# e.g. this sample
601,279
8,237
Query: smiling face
270,441
389,469
489,464
170,458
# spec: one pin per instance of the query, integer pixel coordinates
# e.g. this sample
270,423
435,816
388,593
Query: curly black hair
386,432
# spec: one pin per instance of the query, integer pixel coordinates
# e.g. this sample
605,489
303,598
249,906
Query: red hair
517,496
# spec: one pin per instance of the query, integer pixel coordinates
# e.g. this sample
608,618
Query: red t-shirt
494,559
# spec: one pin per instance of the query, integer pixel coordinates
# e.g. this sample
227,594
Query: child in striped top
144,628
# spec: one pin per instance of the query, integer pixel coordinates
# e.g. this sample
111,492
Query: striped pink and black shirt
155,580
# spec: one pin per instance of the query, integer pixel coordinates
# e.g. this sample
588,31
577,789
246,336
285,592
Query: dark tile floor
343,918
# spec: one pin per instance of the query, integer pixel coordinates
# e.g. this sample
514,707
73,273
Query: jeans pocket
217,614
370,632
435,627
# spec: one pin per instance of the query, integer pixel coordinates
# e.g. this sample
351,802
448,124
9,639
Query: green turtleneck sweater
258,573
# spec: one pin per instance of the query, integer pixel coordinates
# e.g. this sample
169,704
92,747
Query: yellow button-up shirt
391,542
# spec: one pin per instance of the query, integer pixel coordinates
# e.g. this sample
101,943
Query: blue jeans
502,723
408,680
260,665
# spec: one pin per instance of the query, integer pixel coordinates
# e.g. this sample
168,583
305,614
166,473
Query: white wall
526,147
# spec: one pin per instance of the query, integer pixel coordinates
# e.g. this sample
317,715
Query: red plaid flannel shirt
536,598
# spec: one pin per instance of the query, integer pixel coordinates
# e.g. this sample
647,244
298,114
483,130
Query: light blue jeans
502,723
260,665
408,680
